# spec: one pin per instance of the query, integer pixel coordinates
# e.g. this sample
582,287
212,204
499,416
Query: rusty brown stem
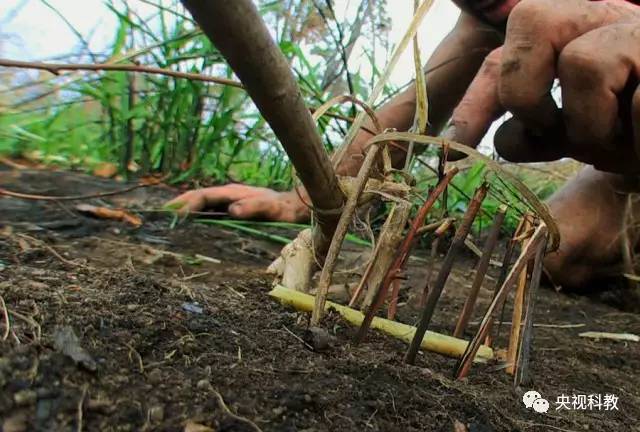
516,319
403,253
457,245
522,366
481,271
464,364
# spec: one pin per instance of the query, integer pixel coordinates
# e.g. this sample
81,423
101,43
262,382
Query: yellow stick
442,344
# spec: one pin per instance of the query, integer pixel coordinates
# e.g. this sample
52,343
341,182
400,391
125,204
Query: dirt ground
109,334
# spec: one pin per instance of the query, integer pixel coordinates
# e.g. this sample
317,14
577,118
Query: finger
479,106
199,199
264,208
536,33
186,203
516,143
594,69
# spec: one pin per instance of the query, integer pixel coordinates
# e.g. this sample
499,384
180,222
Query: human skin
593,48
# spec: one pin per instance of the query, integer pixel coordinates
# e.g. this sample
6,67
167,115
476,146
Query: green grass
200,132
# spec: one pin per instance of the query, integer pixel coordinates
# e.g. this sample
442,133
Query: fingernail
236,210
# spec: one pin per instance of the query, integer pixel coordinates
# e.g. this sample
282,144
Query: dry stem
481,271
456,247
341,232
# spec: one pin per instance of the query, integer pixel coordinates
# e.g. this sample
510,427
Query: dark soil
166,339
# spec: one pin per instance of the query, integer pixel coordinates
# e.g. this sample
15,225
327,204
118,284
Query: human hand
593,48
244,202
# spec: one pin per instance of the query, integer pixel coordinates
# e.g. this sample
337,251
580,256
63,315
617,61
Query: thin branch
56,68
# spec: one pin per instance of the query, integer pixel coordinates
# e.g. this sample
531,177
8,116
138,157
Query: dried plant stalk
388,242
403,252
481,271
541,209
463,366
457,245
522,365
518,301
341,232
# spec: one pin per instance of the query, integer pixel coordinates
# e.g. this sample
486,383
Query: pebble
279,411
203,384
155,376
156,413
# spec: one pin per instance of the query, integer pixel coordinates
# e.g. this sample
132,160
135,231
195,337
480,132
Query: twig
56,68
504,270
518,304
455,249
139,357
80,406
5,313
340,233
227,411
74,197
522,364
297,337
481,271
31,322
463,366
403,253
52,251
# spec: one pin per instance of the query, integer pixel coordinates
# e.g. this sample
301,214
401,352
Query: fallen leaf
107,213
105,169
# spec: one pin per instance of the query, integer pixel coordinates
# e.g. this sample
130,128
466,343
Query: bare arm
450,69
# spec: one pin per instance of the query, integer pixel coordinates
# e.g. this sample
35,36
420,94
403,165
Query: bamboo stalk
457,245
516,320
381,291
481,271
237,30
522,366
341,232
463,366
432,341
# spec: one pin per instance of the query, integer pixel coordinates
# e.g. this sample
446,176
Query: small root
236,417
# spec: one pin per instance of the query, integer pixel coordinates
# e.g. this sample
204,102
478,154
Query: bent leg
590,212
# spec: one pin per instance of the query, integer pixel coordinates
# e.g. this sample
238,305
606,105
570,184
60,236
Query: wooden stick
504,270
522,366
341,232
239,33
438,234
463,366
403,254
481,271
56,68
457,246
518,302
